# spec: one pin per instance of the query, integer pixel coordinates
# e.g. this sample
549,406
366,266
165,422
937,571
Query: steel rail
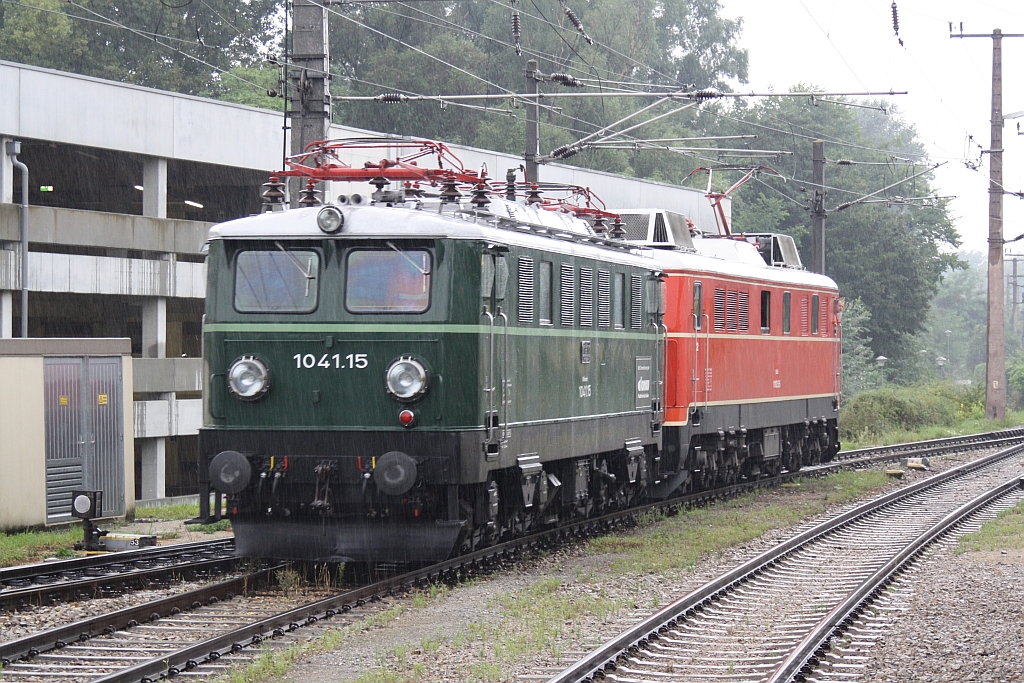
25,571
80,631
16,598
638,635
843,613
213,648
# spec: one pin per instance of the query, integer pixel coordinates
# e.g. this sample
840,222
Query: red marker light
406,417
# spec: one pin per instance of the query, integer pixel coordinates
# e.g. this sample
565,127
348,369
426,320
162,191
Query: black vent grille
586,297
604,298
636,311
660,233
568,298
744,311
730,309
719,309
525,316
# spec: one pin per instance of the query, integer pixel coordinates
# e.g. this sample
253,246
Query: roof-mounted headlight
406,379
248,378
330,219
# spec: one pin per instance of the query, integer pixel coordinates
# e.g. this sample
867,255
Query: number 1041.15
351,360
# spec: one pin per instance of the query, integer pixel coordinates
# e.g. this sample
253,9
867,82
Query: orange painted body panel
730,360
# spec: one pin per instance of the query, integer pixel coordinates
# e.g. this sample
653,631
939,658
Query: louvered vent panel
660,233
636,313
804,323
604,298
823,318
719,309
525,290
744,311
568,298
730,309
586,297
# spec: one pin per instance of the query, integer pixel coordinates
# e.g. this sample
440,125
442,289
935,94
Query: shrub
871,414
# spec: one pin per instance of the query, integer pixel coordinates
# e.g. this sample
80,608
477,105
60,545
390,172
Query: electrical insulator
895,19
579,25
566,79
517,30
391,98
564,152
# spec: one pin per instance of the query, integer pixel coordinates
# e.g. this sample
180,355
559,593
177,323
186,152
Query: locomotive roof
465,222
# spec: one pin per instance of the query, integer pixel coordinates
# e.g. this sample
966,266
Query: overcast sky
849,45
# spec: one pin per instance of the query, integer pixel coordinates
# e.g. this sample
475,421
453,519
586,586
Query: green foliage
168,512
82,38
859,369
35,546
222,525
872,414
1005,532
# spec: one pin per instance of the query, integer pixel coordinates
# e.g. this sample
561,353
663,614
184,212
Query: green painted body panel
547,382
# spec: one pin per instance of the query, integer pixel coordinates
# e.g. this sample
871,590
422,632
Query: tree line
889,258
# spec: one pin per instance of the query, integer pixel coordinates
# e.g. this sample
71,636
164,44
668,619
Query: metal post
310,110
13,150
818,209
995,368
1013,299
532,121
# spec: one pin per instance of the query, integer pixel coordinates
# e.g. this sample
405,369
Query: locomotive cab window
277,281
786,306
544,293
766,312
393,281
698,306
619,300
814,314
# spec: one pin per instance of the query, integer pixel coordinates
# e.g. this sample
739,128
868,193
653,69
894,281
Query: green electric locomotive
406,378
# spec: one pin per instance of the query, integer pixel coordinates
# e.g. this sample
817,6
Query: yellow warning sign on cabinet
63,400
101,399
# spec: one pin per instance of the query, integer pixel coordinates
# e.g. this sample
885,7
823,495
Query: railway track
203,631
778,616
98,575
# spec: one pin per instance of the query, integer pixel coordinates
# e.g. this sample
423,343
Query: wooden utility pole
995,365
818,209
533,79
308,72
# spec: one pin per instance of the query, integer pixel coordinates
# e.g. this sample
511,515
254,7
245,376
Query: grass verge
1005,532
969,426
170,512
35,546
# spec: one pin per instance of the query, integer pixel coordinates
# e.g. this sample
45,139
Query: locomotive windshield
277,281
396,281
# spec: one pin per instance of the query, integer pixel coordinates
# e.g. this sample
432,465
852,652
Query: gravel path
964,622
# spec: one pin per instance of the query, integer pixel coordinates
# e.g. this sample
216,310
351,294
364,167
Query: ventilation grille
823,319
635,225
719,309
568,302
525,290
744,311
604,298
804,323
660,233
586,297
636,313
730,309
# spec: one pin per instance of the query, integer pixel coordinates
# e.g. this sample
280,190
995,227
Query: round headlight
248,378
406,379
330,219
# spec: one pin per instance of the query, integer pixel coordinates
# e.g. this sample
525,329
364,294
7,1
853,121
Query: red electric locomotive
752,354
